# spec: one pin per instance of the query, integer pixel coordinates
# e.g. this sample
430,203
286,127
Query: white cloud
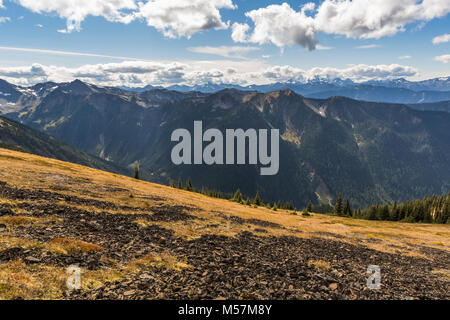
444,58
177,18
75,11
359,72
174,18
1,4
368,46
224,51
278,24
441,39
239,32
140,73
375,18
404,57
365,19
4,19
39,25
320,47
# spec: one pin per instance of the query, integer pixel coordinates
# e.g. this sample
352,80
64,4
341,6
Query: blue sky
163,42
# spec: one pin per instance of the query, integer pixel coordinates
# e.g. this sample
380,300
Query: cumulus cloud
174,18
360,72
139,73
365,19
278,24
444,58
239,32
404,57
224,51
441,39
179,18
75,11
4,19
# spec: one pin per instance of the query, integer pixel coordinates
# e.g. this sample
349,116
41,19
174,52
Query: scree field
139,240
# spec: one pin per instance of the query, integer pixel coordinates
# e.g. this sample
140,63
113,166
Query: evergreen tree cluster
236,197
434,209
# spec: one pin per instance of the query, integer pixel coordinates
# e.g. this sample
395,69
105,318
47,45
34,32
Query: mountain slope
165,243
369,152
436,106
18,137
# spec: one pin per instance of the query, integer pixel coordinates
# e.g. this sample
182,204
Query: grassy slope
16,136
31,172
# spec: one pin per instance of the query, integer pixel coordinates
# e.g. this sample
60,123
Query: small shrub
306,214
71,246
319,265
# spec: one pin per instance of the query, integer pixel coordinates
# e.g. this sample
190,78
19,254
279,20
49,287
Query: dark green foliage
172,183
348,210
257,200
309,207
189,186
306,214
136,171
322,208
180,184
434,209
338,208
238,197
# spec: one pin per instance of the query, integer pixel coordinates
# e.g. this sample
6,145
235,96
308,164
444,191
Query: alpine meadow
225,158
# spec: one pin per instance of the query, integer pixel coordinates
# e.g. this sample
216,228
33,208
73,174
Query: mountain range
368,152
393,91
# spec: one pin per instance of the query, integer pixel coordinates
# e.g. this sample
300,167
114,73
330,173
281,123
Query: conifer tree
237,196
189,185
136,170
338,209
180,184
372,213
347,209
309,207
257,199
384,213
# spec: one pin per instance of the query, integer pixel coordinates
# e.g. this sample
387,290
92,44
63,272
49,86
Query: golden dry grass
34,172
319,265
70,246
20,280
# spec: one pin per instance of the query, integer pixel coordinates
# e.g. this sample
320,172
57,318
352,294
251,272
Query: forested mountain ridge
369,152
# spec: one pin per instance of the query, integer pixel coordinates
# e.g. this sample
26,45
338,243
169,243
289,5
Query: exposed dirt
247,266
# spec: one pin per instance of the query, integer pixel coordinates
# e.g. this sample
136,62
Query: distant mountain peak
79,87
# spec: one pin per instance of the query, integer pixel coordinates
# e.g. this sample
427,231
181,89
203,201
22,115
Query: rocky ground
250,265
